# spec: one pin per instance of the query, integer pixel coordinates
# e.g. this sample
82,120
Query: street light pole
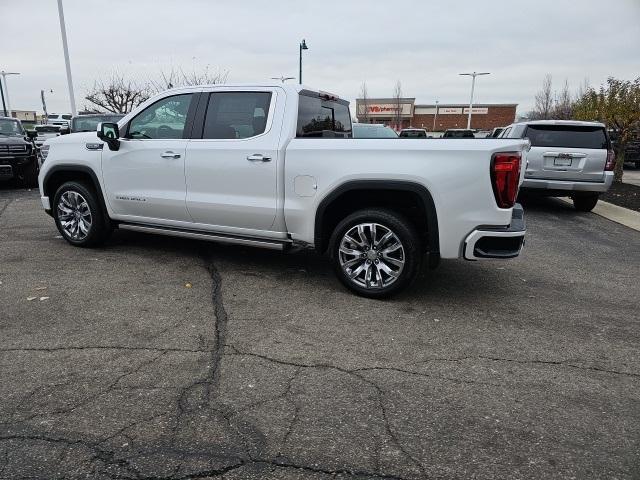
303,46
65,48
435,117
473,85
4,107
6,91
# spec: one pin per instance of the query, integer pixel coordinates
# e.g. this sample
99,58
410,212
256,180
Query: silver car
567,159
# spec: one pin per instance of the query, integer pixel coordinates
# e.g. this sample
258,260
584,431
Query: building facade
438,118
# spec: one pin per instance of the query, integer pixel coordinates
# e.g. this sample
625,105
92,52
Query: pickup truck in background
275,166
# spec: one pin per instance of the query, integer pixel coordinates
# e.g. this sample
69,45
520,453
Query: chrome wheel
74,215
371,255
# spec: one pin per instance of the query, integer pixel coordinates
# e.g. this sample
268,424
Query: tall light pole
65,48
435,117
473,85
303,46
6,90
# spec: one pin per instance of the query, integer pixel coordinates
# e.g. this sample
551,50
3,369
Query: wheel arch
334,202
59,174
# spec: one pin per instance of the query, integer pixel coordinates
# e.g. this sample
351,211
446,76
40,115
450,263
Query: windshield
458,134
47,129
90,123
567,136
10,127
413,134
373,131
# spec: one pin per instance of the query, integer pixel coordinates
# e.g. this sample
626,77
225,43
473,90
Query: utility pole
44,107
303,46
65,48
7,108
473,85
435,117
4,107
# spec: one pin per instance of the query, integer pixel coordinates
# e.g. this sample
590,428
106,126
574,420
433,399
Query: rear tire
79,216
375,253
585,203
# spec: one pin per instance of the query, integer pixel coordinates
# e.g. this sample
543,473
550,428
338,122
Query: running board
211,237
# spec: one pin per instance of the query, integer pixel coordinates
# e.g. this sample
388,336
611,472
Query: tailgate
567,152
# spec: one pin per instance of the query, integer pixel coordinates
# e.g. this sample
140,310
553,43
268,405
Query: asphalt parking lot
163,358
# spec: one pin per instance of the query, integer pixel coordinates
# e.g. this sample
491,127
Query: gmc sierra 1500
276,166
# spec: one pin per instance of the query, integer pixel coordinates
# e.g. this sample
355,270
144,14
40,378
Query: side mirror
108,132
32,134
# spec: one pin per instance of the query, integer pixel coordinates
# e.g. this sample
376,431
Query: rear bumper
569,185
497,242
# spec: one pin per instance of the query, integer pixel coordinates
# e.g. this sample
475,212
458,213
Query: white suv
567,158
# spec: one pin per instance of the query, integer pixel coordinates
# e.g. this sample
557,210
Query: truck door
145,177
232,162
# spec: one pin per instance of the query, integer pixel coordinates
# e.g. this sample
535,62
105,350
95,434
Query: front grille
12,149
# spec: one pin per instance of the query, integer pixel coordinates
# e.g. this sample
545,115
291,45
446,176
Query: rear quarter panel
456,172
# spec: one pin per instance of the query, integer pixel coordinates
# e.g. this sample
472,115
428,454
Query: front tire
585,203
375,253
78,215
29,176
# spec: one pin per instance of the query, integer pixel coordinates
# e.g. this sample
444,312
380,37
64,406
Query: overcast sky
423,44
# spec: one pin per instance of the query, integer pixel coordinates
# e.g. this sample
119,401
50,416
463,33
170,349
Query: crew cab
568,158
275,166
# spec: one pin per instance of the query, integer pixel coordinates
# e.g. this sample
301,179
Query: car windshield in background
10,127
318,117
90,123
458,134
373,131
569,136
47,129
413,134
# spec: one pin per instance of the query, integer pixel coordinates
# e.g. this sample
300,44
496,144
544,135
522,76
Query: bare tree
543,100
365,102
177,77
397,100
117,94
563,107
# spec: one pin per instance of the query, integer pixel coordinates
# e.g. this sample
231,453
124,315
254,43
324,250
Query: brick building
437,118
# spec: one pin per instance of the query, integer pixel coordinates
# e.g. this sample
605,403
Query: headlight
44,151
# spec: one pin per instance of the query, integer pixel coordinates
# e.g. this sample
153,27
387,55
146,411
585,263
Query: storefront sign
385,109
477,111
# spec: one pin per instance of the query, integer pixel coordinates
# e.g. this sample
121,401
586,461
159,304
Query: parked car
413,133
495,133
275,166
458,133
17,153
373,130
632,148
89,122
59,119
45,132
567,159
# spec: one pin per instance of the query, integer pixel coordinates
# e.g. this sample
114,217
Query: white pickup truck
276,166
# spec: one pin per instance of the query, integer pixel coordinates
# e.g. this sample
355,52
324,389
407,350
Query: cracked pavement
266,368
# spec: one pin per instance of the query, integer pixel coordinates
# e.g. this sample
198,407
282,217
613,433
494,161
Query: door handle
170,154
258,157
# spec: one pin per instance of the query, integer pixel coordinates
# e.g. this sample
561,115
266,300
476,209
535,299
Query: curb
623,216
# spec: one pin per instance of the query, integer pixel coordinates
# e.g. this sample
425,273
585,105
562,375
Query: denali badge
132,199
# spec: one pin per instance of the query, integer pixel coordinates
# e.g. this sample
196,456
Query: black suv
18,158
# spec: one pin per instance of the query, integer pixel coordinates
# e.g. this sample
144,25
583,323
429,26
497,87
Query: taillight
505,177
611,161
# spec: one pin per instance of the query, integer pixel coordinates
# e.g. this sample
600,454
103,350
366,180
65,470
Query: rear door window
569,136
236,115
320,117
